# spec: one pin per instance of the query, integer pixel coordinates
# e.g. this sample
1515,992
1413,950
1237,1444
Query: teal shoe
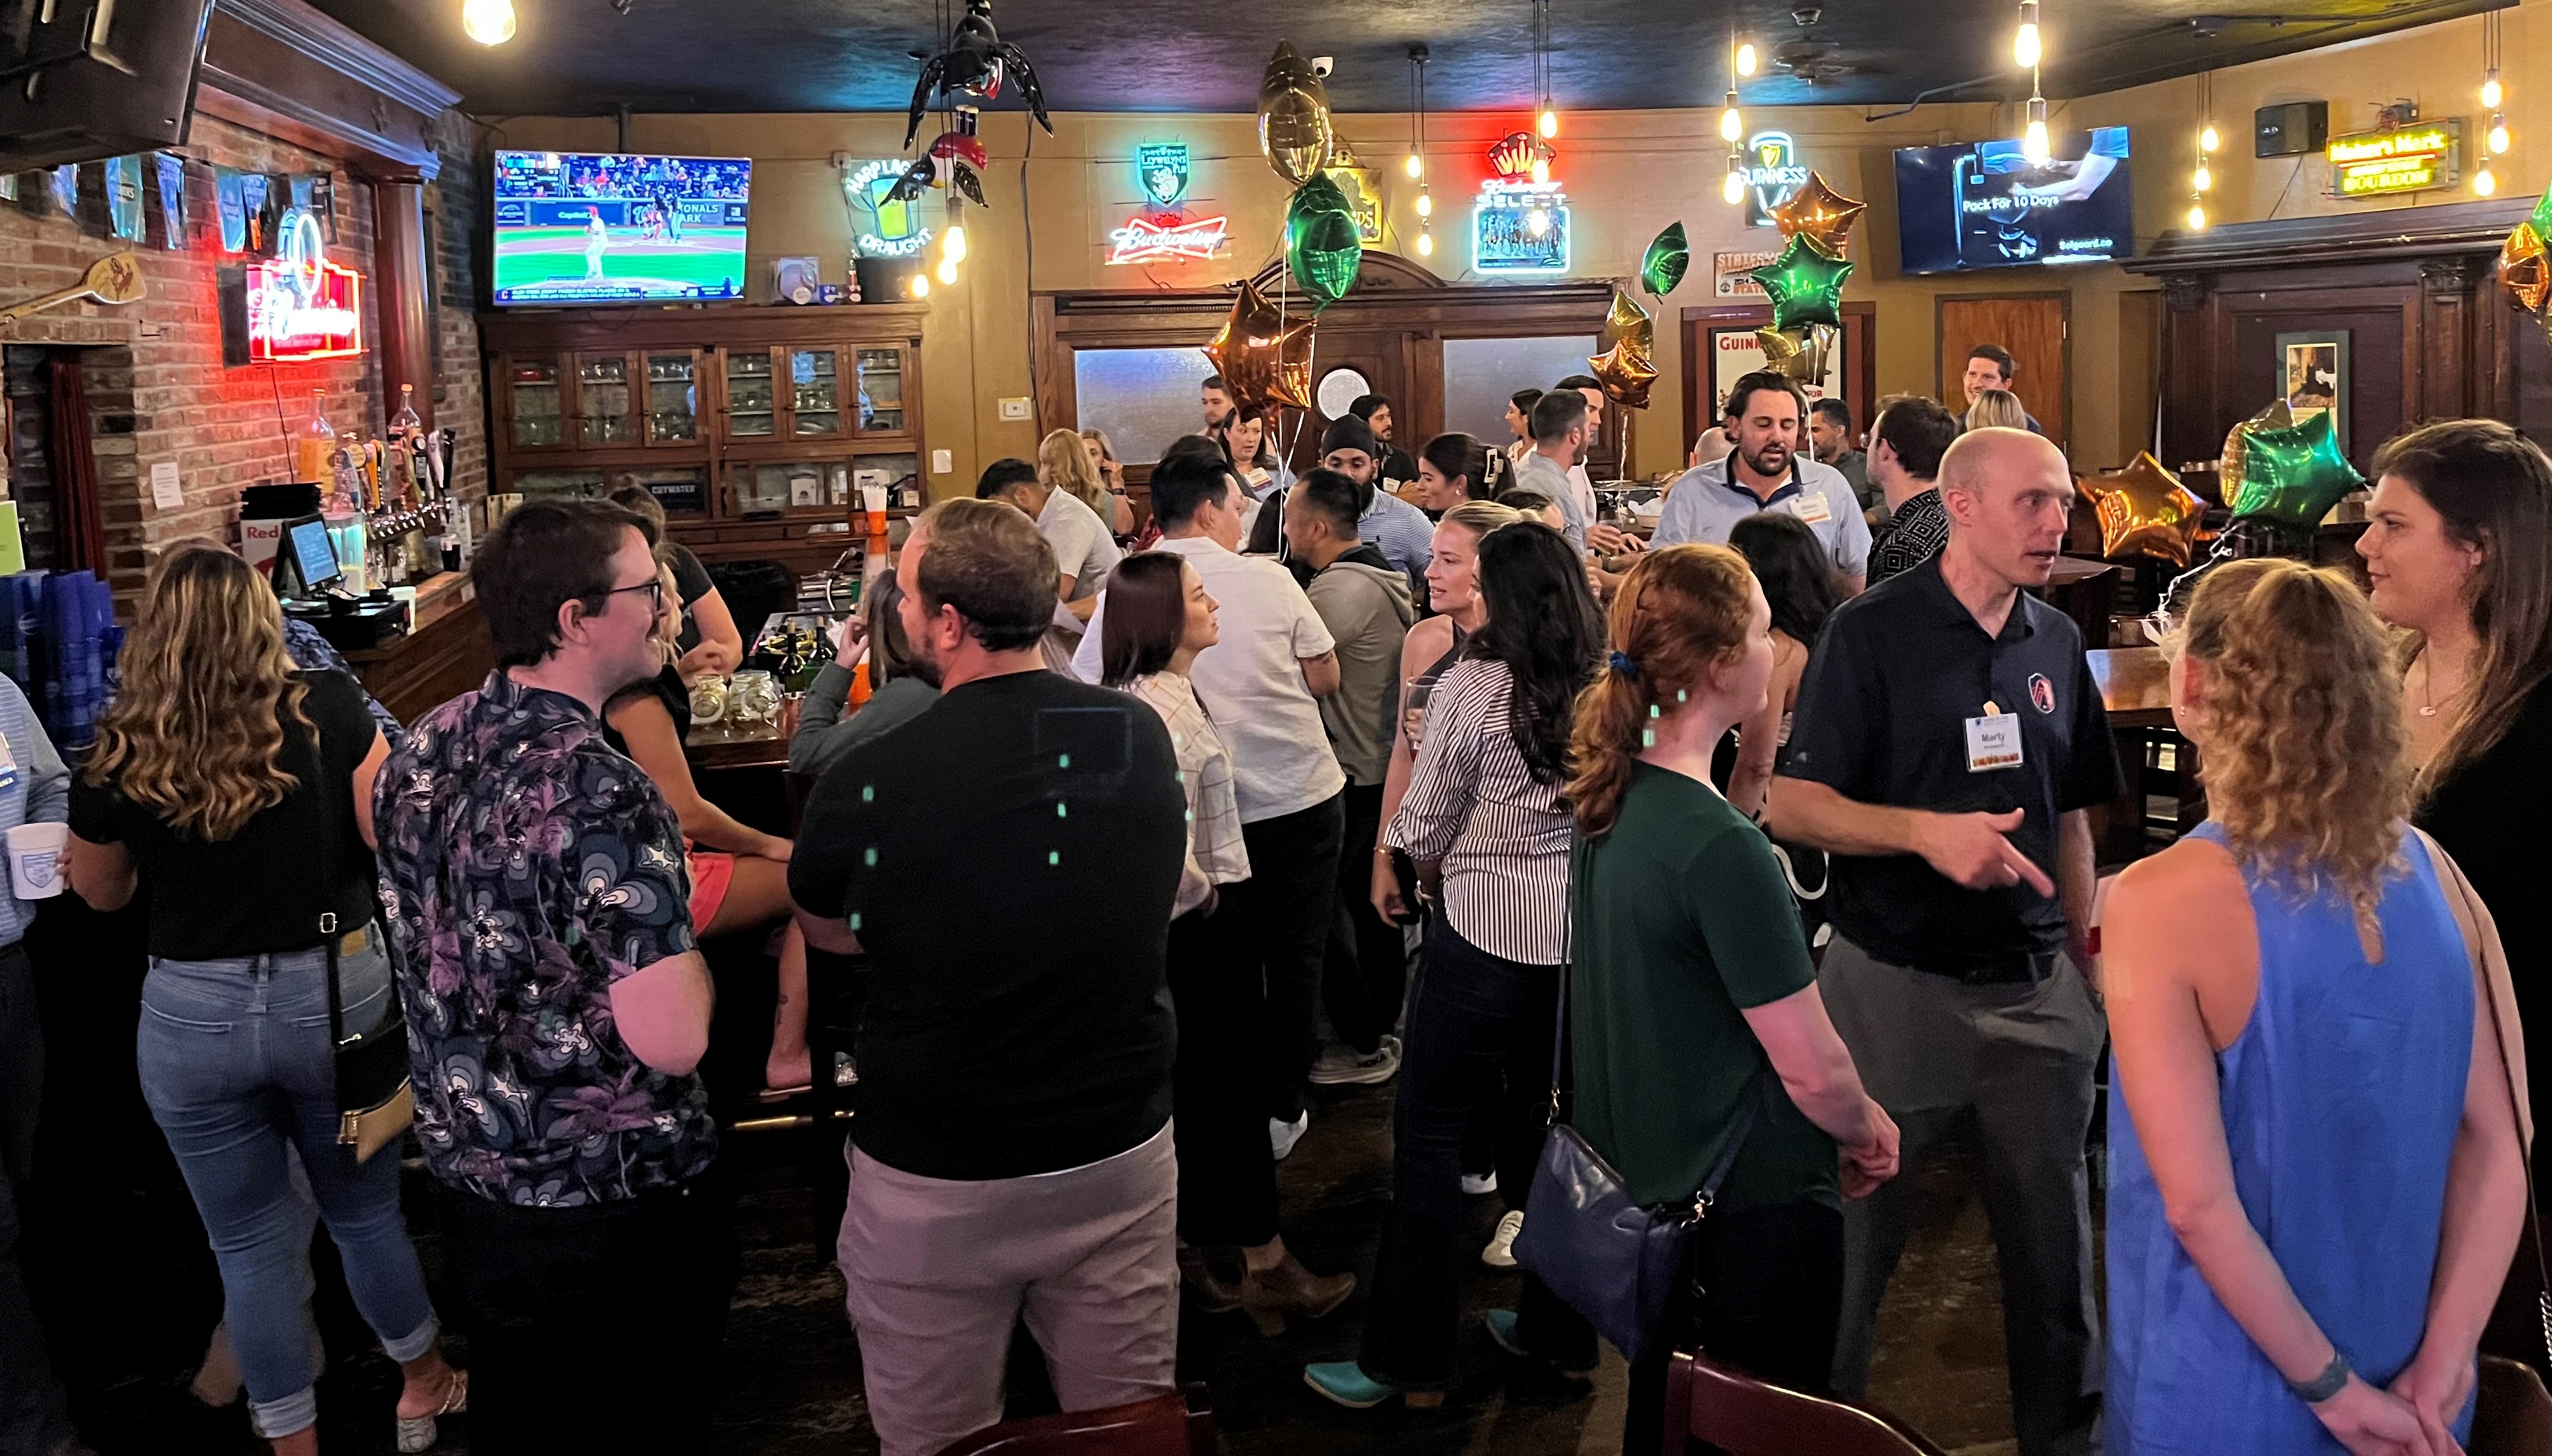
1346,1382
1503,1334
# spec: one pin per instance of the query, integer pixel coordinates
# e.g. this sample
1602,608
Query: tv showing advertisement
1986,205
586,227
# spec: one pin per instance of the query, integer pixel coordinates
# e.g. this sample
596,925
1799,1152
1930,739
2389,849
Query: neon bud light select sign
300,305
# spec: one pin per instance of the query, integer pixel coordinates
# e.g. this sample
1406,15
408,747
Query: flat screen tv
1985,205
84,81
587,227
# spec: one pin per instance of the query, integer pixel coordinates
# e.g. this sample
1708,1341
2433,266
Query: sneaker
1476,1184
1281,1136
1346,1067
1499,1254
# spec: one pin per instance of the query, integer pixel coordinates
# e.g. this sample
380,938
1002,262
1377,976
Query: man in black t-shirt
1949,741
1008,861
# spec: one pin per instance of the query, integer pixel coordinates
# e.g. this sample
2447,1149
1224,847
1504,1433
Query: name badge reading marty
1812,509
1993,742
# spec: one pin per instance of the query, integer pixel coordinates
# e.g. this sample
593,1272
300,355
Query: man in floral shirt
537,905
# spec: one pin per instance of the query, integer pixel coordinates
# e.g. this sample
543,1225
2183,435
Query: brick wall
226,429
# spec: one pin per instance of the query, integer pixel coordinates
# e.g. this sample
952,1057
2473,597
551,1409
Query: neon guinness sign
1148,239
300,305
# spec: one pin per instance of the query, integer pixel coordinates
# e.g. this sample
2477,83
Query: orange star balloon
1263,356
2523,267
1626,372
2145,511
1820,212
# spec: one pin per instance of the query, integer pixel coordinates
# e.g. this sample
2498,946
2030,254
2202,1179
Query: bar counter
444,655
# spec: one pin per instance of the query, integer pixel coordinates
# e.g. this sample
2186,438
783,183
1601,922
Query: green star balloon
2286,472
1322,247
1667,258
1805,284
2542,218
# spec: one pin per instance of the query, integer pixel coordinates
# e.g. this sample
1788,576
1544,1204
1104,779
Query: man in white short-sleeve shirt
1263,683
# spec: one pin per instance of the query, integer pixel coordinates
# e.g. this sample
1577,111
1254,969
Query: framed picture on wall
2312,370
1736,352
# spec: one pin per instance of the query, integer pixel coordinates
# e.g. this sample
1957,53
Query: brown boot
1269,1295
1211,1293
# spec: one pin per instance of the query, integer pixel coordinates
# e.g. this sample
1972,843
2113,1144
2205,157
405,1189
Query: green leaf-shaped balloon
1322,248
1667,258
1805,284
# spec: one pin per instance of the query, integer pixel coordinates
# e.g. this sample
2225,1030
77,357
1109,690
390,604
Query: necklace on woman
2428,685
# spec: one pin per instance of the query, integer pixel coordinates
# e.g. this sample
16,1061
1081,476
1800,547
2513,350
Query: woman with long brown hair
1701,1043
242,792
2316,1180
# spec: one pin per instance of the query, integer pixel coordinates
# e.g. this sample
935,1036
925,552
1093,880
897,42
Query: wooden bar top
443,655
2135,685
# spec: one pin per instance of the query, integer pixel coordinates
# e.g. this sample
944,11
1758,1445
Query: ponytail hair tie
1621,663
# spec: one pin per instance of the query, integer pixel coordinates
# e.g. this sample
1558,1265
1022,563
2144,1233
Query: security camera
1321,65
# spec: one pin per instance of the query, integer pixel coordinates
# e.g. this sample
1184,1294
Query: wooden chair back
1165,1426
1745,1416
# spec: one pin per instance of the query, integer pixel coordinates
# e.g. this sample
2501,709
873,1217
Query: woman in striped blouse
1159,617
1486,822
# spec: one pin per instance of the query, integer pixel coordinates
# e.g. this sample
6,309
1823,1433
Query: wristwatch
2332,1380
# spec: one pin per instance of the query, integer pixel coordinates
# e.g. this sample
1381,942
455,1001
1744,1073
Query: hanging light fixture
1745,58
2034,143
1538,221
2024,41
2026,50
2197,215
1731,125
1418,148
1732,188
487,22
1549,121
2205,176
920,285
2495,141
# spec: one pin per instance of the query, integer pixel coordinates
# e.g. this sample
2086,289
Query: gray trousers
2021,1055
938,1272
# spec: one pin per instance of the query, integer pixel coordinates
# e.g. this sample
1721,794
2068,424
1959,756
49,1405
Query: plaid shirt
1215,853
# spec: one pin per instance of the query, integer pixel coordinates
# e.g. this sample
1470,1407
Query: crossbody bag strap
1559,1017
2448,870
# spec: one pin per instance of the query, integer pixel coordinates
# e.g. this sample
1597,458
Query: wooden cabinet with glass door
754,427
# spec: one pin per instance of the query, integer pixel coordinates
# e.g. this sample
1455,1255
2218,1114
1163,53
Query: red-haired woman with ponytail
1693,1008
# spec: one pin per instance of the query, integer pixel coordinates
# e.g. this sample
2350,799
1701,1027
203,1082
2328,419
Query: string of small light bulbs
2493,99
1416,164
2025,52
1732,123
2203,177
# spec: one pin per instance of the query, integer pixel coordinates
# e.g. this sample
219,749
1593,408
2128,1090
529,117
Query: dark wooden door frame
1940,380
1700,378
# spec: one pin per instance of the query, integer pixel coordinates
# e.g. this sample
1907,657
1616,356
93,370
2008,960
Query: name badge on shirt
1812,509
1993,742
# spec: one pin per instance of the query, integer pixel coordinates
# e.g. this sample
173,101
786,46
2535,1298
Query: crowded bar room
1053,728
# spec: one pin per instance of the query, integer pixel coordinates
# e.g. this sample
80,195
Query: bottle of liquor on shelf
405,425
314,442
402,488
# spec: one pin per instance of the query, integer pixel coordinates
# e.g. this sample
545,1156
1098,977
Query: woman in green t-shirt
1691,995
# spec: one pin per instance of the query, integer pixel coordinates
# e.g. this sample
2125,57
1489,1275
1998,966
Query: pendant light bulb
920,285
2484,182
1426,204
1746,59
1415,167
2205,178
1733,191
2497,136
1731,125
2207,139
2025,48
1541,169
487,22
1537,222
1425,244
2491,92
1550,124
2197,215
952,246
2033,143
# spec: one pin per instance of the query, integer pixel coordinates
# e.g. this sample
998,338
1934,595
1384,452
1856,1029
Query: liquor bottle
405,488
316,441
405,425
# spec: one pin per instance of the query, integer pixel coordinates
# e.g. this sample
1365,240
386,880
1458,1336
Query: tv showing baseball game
1986,205
586,227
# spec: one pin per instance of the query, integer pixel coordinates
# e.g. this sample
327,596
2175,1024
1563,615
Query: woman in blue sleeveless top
2314,1185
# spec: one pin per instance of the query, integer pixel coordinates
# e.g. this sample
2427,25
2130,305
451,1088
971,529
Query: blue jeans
236,1063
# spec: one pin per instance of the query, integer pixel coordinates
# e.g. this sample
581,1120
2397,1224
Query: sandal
417,1433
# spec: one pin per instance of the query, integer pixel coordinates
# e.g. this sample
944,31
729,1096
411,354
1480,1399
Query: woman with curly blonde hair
242,792
2316,1180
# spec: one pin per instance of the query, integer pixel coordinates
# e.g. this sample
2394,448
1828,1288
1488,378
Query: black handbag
374,1100
1611,1259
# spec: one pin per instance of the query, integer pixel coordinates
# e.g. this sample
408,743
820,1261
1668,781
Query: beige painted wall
1627,175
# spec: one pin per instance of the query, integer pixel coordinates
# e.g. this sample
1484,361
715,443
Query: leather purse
374,1101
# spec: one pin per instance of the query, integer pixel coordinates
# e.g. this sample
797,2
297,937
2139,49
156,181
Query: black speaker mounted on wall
2290,129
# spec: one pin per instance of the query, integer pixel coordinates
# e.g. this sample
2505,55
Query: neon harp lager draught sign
300,305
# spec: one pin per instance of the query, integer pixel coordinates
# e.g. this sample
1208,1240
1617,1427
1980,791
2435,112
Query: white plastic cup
36,860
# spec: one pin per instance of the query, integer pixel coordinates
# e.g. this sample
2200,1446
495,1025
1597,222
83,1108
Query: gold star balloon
1263,355
2522,267
1627,319
1625,373
1799,354
2143,510
1819,212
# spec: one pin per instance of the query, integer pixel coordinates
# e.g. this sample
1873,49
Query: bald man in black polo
1948,740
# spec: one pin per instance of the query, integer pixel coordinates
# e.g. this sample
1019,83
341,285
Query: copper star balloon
1667,258
1625,373
1819,212
1799,354
1805,284
2523,268
1293,129
2143,510
1263,355
2286,472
